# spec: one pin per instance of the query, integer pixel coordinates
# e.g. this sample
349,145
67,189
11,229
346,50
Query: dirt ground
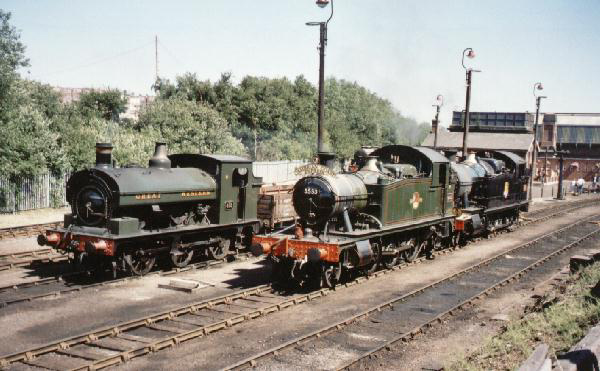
229,346
441,345
40,321
32,217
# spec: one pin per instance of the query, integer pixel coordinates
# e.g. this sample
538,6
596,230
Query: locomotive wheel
413,252
332,274
181,258
374,265
220,250
391,261
139,263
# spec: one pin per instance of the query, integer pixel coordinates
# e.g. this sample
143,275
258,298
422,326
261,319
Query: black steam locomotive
180,205
401,202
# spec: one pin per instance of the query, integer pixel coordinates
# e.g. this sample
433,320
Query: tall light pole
435,122
470,53
324,156
537,86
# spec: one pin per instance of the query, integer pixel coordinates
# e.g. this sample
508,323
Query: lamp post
435,122
538,98
470,53
324,157
561,154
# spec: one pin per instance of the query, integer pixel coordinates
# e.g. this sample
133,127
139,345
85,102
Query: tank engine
180,205
402,202
491,189
398,204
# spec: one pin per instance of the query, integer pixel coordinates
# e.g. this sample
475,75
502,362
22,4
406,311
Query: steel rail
225,319
61,278
576,205
10,261
303,339
26,230
409,335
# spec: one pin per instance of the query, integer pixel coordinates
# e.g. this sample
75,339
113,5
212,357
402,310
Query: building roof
482,140
578,134
576,119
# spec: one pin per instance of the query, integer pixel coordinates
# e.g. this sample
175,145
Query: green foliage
105,104
28,141
266,118
12,57
560,326
188,126
276,118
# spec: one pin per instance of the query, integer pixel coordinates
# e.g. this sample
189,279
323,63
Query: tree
106,104
188,127
28,143
12,57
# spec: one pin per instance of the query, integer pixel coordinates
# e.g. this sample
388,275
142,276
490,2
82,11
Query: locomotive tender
180,205
412,200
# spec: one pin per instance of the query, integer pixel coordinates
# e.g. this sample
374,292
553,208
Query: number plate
311,191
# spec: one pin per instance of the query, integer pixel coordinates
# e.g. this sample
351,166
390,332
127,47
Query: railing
27,193
48,190
277,171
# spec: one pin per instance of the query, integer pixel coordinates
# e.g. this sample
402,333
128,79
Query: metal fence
277,171
27,193
48,190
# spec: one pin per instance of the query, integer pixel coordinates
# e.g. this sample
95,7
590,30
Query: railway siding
147,341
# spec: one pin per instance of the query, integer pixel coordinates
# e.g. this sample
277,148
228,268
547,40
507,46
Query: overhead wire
98,61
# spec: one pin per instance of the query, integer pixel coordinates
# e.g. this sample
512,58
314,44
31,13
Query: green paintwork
164,198
232,187
411,199
123,226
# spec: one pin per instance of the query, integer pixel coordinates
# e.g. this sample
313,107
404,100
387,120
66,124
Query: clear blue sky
405,51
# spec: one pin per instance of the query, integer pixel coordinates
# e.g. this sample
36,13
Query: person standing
580,184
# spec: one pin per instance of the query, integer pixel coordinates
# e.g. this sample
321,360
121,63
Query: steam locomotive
401,202
180,205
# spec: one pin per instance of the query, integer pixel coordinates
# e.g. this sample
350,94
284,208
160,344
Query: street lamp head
322,3
537,86
470,53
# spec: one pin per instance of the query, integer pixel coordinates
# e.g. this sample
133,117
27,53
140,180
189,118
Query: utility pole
156,56
538,99
560,154
325,158
470,53
435,123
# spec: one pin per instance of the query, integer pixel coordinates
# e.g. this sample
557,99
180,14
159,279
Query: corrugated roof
578,134
577,119
479,140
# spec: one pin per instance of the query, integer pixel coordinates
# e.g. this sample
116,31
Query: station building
577,133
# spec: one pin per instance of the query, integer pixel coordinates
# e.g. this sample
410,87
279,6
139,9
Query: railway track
57,285
116,344
26,258
35,229
23,259
60,285
26,230
401,318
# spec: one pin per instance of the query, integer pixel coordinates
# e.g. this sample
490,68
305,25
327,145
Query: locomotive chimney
104,155
471,159
371,164
160,159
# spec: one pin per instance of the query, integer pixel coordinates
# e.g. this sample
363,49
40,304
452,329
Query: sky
405,51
